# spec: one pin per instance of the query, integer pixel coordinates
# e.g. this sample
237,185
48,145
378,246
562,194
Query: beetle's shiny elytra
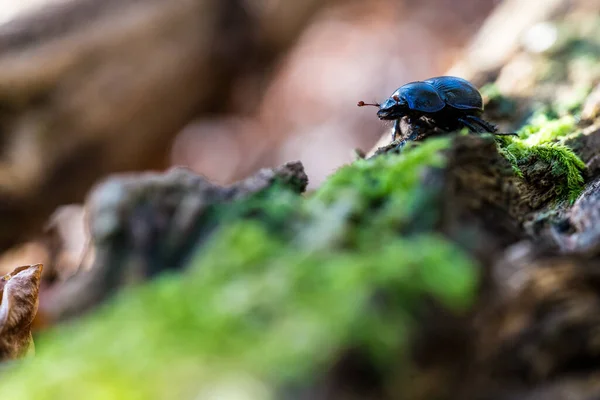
450,102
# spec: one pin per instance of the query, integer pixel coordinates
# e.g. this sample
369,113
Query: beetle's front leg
396,130
414,134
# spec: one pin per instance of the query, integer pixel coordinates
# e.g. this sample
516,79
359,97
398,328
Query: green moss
566,75
382,193
387,175
542,141
563,165
267,304
544,129
283,201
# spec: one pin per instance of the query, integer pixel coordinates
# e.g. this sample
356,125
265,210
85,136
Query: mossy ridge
566,75
375,197
258,309
543,128
364,195
541,140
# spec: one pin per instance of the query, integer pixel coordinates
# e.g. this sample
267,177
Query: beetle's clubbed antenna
362,104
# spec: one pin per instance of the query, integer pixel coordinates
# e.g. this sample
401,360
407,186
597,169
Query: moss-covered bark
282,290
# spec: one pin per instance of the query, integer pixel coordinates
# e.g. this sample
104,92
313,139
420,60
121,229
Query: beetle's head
392,108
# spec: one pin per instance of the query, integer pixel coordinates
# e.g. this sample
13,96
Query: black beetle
449,102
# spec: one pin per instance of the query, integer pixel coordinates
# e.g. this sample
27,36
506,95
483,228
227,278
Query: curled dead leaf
19,303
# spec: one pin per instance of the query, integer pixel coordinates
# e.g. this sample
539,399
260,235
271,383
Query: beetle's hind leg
469,125
489,128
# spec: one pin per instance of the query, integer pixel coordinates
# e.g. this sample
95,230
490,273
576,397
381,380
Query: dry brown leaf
19,303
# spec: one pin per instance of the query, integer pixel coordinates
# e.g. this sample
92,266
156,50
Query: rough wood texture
144,225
